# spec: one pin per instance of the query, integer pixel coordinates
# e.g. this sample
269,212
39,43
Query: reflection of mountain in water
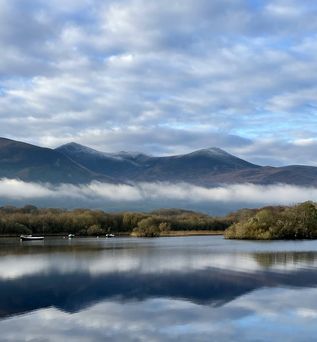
72,292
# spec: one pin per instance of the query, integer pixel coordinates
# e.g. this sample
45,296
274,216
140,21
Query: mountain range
78,164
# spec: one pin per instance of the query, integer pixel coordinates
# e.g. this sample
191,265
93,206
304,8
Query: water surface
166,289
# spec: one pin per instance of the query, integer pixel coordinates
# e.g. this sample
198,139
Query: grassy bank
174,233
192,233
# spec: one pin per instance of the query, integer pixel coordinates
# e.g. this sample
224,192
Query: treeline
84,222
272,223
268,223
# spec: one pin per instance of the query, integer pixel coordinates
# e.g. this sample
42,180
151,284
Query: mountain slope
206,167
120,166
74,163
139,167
293,174
194,166
32,163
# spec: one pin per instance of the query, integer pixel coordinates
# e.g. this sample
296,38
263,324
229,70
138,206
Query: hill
32,163
206,167
77,164
196,167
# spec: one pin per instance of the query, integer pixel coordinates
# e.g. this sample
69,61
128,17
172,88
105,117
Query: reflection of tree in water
48,247
268,260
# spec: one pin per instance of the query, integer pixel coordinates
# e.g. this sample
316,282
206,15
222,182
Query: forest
268,223
85,222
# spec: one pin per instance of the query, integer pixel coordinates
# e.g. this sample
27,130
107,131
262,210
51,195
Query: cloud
102,73
171,320
159,192
275,152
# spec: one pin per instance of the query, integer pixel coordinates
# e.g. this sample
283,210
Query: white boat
31,238
110,235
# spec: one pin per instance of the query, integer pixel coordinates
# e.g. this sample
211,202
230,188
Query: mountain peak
78,149
72,145
216,151
211,152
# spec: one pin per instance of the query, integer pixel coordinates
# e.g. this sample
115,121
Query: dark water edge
194,288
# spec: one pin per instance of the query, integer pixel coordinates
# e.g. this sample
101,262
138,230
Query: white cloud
288,312
104,67
160,191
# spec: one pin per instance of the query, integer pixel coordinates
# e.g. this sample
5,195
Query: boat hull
31,238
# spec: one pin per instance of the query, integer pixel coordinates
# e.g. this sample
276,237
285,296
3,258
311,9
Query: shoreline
176,233
173,233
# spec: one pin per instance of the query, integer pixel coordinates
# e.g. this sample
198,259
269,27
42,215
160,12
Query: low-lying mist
145,196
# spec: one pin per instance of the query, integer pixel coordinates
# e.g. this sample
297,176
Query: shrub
95,230
147,227
298,222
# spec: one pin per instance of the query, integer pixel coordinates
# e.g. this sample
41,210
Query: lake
165,289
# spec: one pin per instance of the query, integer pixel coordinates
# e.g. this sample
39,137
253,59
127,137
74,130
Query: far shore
172,233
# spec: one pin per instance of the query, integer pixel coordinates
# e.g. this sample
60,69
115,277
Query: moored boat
31,238
110,235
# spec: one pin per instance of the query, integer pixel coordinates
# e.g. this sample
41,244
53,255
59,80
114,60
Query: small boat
110,235
31,238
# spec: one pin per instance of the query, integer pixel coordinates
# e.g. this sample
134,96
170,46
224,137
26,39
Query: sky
162,77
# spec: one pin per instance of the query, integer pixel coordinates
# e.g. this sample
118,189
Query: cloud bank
12,189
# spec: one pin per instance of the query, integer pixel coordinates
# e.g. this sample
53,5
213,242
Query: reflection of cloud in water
157,289
290,315
151,262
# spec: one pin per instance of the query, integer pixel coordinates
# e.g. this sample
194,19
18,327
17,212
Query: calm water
166,289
